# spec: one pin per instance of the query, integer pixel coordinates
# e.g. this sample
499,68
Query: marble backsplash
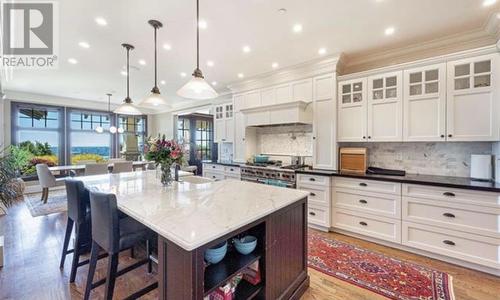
285,140
448,159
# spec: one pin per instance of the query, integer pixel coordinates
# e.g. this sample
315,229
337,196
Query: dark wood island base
281,252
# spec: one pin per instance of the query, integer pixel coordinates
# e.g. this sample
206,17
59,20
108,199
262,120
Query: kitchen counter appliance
270,174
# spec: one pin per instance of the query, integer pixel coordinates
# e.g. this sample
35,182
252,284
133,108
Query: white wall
162,124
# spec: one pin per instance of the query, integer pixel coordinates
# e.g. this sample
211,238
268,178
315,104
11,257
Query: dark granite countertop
224,163
433,180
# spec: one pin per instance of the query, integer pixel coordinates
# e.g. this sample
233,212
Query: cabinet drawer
213,167
473,248
306,179
232,171
368,185
318,215
455,195
376,227
317,196
214,175
384,205
463,217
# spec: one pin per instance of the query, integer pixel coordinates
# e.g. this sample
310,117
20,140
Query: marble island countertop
191,215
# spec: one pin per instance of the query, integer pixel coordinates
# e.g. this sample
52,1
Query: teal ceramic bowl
261,159
246,244
216,253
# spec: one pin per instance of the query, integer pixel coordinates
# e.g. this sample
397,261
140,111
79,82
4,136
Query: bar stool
112,234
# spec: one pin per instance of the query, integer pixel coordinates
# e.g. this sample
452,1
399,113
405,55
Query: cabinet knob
369,137
450,135
312,213
364,137
448,194
312,194
363,201
448,242
449,215
231,170
312,179
363,223
314,137
363,184
442,136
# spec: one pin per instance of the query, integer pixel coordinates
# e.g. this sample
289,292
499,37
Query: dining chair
123,166
112,235
112,160
96,169
46,180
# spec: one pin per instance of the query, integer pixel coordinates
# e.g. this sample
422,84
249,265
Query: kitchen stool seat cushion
131,232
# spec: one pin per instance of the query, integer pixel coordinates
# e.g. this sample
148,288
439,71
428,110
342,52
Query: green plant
8,190
38,149
20,158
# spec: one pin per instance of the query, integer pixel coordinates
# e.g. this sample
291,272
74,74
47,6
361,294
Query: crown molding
307,69
487,34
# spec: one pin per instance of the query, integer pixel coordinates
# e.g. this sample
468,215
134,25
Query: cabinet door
472,101
229,130
352,110
220,130
252,99
239,137
324,133
283,93
385,107
425,104
268,96
302,90
238,103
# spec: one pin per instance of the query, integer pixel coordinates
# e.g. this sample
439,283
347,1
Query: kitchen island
190,218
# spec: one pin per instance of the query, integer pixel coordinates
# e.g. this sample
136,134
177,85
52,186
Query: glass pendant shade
127,108
120,130
154,100
112,129
99,129
197,88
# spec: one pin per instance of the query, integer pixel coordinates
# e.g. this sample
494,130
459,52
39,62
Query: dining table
195,213
80,168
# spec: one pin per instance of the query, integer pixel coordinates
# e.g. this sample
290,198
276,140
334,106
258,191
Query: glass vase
166,174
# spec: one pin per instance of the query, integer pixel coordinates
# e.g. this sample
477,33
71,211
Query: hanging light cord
197,34
156,72
128,74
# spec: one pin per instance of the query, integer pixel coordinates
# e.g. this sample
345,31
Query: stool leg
76,254
148,251
67,236
112,270
132,252
94,254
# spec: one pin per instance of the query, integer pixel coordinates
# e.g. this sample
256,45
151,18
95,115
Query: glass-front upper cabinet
219,112
352,92
424,82
229,111
472,75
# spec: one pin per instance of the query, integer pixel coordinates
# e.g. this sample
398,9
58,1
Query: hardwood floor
33,246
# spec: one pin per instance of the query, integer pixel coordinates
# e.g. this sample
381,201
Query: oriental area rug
384,275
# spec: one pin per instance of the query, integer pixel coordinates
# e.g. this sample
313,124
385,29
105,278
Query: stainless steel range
269,174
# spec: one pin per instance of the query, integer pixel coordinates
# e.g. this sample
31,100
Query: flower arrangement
164,153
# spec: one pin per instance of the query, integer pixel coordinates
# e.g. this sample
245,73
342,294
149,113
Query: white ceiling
354,26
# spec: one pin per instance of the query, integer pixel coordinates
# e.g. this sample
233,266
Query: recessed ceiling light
322,51
297,28
167,47
72,61
183,74
489,2
163,82
202,24
282,11
241,75
142,62
124,73
389,30
246,49
275,65
84,45
101,21
210,63
214,83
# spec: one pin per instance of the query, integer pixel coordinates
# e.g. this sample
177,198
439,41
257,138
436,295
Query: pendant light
127,107
155,100
197,87
112,129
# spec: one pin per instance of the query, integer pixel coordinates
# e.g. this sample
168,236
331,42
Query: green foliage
37,149
8,191
75,159
20,158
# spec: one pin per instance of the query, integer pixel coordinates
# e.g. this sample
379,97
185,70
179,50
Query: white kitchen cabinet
283,93
223,123
268,96
425,103
238,102
472,99
385,107
319,199
302,90
239,137
252,99
352,110
324,122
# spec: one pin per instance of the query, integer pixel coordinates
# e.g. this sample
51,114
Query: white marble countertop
191,215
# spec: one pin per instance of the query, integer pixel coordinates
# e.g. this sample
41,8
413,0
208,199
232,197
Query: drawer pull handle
447,242
312,179
213,167
363,201
448,194
363,223
449,215
363,184
232,170
312,213
312,194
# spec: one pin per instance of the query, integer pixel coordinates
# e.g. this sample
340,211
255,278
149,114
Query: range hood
290,113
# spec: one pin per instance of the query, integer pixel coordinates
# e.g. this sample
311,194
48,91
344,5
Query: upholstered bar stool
112,234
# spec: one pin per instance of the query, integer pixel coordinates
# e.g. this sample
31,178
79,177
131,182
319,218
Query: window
131,141
183,134
39,130
204,140
85,143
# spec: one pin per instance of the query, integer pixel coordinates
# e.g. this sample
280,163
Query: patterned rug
376,272
56,203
